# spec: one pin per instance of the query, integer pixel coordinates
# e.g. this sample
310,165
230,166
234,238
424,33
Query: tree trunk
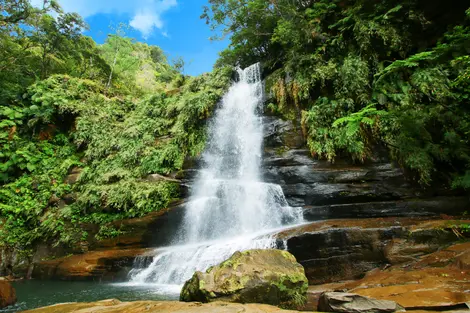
112,69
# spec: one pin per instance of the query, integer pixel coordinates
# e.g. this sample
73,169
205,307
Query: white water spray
230,208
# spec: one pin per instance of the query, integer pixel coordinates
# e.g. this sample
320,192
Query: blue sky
173,25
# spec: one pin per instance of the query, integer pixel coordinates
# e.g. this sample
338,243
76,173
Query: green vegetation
110,114
359,74
84,126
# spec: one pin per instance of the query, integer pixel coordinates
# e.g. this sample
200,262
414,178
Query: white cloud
146,22
146,14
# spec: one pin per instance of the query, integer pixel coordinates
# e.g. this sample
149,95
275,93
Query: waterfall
230,208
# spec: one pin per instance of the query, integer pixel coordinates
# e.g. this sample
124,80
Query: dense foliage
363,73
83,126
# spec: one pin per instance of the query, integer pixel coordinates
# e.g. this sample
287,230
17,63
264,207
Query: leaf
31,167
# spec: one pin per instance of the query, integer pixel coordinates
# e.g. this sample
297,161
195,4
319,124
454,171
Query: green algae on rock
253,276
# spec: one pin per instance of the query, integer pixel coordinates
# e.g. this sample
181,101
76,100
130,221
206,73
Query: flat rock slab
353,303
115,306
410,223
430,288
93,265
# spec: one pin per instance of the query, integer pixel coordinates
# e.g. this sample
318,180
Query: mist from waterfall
230,208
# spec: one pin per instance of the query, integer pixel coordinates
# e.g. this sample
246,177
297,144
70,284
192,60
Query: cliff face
394,240
325,190
378,208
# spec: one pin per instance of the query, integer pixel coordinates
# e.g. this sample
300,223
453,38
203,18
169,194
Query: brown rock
115,306
151,230
401,250
429,288
73,175
454,255
435,282
7,294
462,261
92,265
314,293
108,258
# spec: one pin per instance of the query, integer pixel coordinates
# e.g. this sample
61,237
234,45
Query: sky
173,25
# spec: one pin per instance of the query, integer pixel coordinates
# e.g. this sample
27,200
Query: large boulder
253,276
352,303
7,294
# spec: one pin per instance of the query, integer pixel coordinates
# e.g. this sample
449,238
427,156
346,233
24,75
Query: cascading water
230,208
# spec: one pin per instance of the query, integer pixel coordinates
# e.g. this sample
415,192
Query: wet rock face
306,181
107,265
376,188
253,276
398,208
338,250
320,183
7,294
348,302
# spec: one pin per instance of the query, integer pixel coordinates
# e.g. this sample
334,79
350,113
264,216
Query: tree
359,74
14,11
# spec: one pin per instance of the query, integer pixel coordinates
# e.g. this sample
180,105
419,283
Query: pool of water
33,294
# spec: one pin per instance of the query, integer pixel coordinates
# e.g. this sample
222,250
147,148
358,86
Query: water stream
230,207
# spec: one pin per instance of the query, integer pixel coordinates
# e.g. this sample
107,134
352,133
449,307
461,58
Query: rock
152,230
337,250
306,181
110,258
7,294
434,282
400,208
281,133
73,176
436,289
463,261
253,276
314,293
344,188
157,178
94,265
116,306
352,303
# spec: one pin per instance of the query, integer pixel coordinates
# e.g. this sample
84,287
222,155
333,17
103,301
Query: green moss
288,256
268,276
233,261
202,283
281,150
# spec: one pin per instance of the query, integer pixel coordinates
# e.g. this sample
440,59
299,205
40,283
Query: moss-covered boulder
253,276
